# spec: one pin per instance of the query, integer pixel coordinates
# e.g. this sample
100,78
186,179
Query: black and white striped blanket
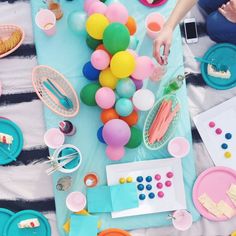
24,184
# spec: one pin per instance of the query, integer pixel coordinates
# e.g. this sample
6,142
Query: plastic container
67,128
154,23
46,21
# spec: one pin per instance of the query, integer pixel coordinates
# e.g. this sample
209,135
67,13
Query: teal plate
9,154
223,53
12,229
5,216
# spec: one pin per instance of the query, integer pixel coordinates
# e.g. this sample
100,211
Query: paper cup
76,201
154,23
182,220
178,147
46,21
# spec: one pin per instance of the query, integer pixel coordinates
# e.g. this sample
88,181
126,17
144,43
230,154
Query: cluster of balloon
115,72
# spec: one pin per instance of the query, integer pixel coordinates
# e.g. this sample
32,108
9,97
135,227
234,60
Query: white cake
30,223
219,74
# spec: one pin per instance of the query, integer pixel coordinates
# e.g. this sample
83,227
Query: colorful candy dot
160,194
129,179
148,178
142,196
151,195
212,124
170,174
122,180
227,154
168,183
224,146
157,177
140,187
139,179
149,187
228,136
159,185
218,131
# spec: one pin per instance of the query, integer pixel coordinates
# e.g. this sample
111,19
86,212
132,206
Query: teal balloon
124,107
77,21
108,2
125,88
116,38
133,42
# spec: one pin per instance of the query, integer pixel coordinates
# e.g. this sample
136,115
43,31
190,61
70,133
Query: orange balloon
132,119
101,47
131,25
108,114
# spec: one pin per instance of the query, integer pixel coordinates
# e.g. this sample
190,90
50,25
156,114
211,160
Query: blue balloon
77,21
133,42
108,2
99,135
125,88
90,72
124,107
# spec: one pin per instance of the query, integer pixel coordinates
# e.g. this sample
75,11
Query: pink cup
46,21
154,23
182,220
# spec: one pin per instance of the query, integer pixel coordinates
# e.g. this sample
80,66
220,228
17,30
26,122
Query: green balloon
92,43
136,138
116,38
88,92
102,0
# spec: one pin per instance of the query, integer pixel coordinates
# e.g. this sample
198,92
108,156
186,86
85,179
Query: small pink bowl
76,201
179,147
54,138
182,220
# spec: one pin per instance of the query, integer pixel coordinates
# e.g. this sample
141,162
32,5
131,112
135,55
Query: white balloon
143,99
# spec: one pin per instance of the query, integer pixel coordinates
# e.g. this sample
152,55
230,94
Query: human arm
165,37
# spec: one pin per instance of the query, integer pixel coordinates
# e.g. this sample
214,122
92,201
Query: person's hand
228,10
164,39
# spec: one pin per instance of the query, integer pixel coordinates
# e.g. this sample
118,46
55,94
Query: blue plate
224,53
5,216
9,154
11,228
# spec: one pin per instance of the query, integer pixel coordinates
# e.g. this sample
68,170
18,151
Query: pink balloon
131,51
88,3
100,59
116,133
116,12
105,98
97,7
115,153
144,68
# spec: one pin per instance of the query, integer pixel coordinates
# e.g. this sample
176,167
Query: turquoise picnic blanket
67,53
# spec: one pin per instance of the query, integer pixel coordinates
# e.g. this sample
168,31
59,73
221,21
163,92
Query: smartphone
190,28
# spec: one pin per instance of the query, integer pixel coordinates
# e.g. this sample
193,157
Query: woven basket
40,74
5,32
150,118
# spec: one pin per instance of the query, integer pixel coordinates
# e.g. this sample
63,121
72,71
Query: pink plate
214,182
159,3
76,201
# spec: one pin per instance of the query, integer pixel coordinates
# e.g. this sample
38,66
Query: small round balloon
144,68
115,153
108,114
88,93
124,107
131,119
125,88
116,133
107,79
122,64
88,3
96,24
131,25
99,135
116,38
90,72
143,99
92,43
116,12
76,22
105,98
97,7
133,42
135,139
100,59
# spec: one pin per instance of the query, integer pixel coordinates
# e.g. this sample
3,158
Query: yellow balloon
122,64
107,79
96,24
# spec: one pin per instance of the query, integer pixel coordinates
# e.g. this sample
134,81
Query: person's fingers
223,6
166,52
233,3
222,11
156,51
